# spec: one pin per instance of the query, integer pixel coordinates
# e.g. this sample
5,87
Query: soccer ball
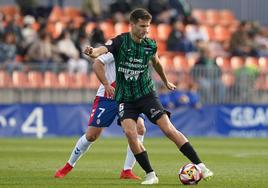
190,174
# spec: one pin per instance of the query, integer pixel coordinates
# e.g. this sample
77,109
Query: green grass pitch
29,162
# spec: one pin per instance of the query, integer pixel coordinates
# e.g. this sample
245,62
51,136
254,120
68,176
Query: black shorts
149,105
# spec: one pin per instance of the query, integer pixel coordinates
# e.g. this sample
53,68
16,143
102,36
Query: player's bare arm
95,52
160,71
99,70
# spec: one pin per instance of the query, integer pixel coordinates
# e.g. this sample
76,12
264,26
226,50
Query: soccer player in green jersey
135,91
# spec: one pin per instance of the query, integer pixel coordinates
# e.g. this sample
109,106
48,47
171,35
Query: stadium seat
153,32
56,14
89,27
263,64
199,15
180,64
19,79
5,80
163,31
50,80
161,46
221,33
71,12
228,79
212,17
190,28
121,27
167,63
82,81
192,59
94,82
35,79
208,30
224,64
236,63
9,10
66,80
252,62
226,17
108,29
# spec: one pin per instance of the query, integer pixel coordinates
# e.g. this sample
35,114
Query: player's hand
109,91
170,86
88,51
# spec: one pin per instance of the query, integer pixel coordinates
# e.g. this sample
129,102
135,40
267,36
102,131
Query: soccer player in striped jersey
104,111
135,90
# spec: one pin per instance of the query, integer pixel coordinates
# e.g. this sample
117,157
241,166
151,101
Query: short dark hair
139,13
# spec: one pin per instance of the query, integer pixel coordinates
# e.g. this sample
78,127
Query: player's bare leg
130,160
130,129
82,145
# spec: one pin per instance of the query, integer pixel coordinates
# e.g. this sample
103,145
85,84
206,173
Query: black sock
190,153
143,160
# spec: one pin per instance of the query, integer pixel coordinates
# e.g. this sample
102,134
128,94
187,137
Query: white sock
130,158
201,165
80,148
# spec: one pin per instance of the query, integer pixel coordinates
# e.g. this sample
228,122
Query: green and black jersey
133,77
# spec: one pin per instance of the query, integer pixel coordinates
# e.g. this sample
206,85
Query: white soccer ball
190,174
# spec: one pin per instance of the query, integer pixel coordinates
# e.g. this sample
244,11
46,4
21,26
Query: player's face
141,28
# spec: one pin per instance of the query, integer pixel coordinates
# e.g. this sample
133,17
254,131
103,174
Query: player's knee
91,137
131,134
140,127
141,130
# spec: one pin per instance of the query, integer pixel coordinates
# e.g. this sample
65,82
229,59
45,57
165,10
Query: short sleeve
113,45
106,58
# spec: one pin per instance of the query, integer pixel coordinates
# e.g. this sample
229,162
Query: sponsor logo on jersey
130,74
134,60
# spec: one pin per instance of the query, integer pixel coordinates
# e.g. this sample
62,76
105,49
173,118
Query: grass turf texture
32,163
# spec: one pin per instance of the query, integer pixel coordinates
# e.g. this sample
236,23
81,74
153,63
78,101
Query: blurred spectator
67,47
119,10
43,52
8,52
91,9
28,33
97,37
27,6
160,10
195,34
241,43
8,48
182,10
81,44
13,26
208,76
177,41
262,42
231,86
2,24
217,49
77,65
